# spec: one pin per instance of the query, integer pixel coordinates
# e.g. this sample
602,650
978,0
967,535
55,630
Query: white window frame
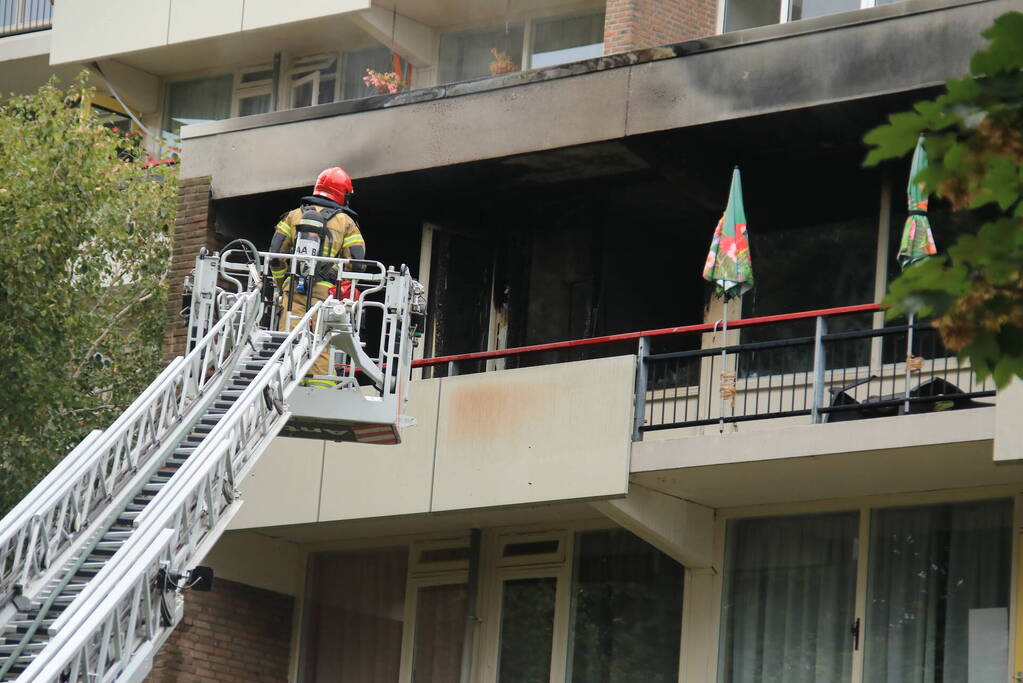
784,12
315,63
243,90
864,506
408,636
527,29
495,570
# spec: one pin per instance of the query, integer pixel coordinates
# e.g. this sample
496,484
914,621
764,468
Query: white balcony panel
86,29
35,44
548,433
195,19
284,486
361,480
263,13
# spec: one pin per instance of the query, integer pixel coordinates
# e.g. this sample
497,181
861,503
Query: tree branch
113,321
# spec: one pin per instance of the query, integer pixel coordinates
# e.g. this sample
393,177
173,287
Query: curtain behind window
354,69
626,611
788,599
204,99
931,569
355,617
440,633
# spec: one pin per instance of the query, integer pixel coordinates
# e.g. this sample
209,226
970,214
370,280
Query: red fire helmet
334,184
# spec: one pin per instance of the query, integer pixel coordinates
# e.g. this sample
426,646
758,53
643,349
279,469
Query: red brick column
235,634
193,228
636,24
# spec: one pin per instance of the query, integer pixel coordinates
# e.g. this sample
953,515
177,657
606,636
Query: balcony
24,16
855,372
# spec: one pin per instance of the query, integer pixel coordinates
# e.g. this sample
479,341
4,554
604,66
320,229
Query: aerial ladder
94,561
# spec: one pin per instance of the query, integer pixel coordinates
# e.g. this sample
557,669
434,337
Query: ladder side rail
128,616
75,555
197,512
290,361
144,475
36,529
112,459
16,524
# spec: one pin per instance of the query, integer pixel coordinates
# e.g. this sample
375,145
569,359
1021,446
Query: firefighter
323,225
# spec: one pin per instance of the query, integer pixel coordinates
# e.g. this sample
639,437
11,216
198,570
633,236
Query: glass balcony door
526,608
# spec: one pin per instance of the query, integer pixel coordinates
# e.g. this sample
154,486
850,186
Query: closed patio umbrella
728,263
917,242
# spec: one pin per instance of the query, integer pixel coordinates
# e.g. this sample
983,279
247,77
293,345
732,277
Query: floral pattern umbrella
728,263
917,244
917,241
729,267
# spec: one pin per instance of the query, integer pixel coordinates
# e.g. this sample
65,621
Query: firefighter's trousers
298,309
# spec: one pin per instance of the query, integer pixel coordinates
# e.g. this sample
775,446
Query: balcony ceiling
250,47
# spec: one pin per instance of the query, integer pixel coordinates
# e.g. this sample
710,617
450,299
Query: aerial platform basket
367,401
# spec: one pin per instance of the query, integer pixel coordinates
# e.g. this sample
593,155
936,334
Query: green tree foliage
84,253
974,140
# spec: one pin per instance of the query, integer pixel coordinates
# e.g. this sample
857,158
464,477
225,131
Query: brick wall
635,24
233,634
193,228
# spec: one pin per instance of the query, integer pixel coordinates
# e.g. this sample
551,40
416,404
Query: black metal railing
831,377
23,16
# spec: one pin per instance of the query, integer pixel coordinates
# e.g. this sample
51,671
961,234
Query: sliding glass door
790,587
938,595
934,596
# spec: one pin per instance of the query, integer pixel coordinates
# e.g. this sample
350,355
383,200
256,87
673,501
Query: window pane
312,80
527,626
466,55
257,104
204,99
355,65
441,613
567,39
302,95
355,617
789,588
805,9
626,611
740,14
257,76
938,593
326,95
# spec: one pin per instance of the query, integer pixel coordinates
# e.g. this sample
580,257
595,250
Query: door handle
854,631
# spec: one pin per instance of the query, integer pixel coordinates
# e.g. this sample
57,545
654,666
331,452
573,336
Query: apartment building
598,509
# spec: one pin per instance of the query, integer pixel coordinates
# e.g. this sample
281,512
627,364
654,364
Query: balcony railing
23,16
833,376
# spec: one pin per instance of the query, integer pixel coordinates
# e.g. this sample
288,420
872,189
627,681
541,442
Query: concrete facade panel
430,134
535,434
778,440
282,487
809,69
263,13
87,29
1008,426
35,44
194,19
257,560
361,480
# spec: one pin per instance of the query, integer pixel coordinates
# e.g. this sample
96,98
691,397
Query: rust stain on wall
497,410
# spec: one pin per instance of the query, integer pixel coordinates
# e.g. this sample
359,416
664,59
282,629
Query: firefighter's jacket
344,237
